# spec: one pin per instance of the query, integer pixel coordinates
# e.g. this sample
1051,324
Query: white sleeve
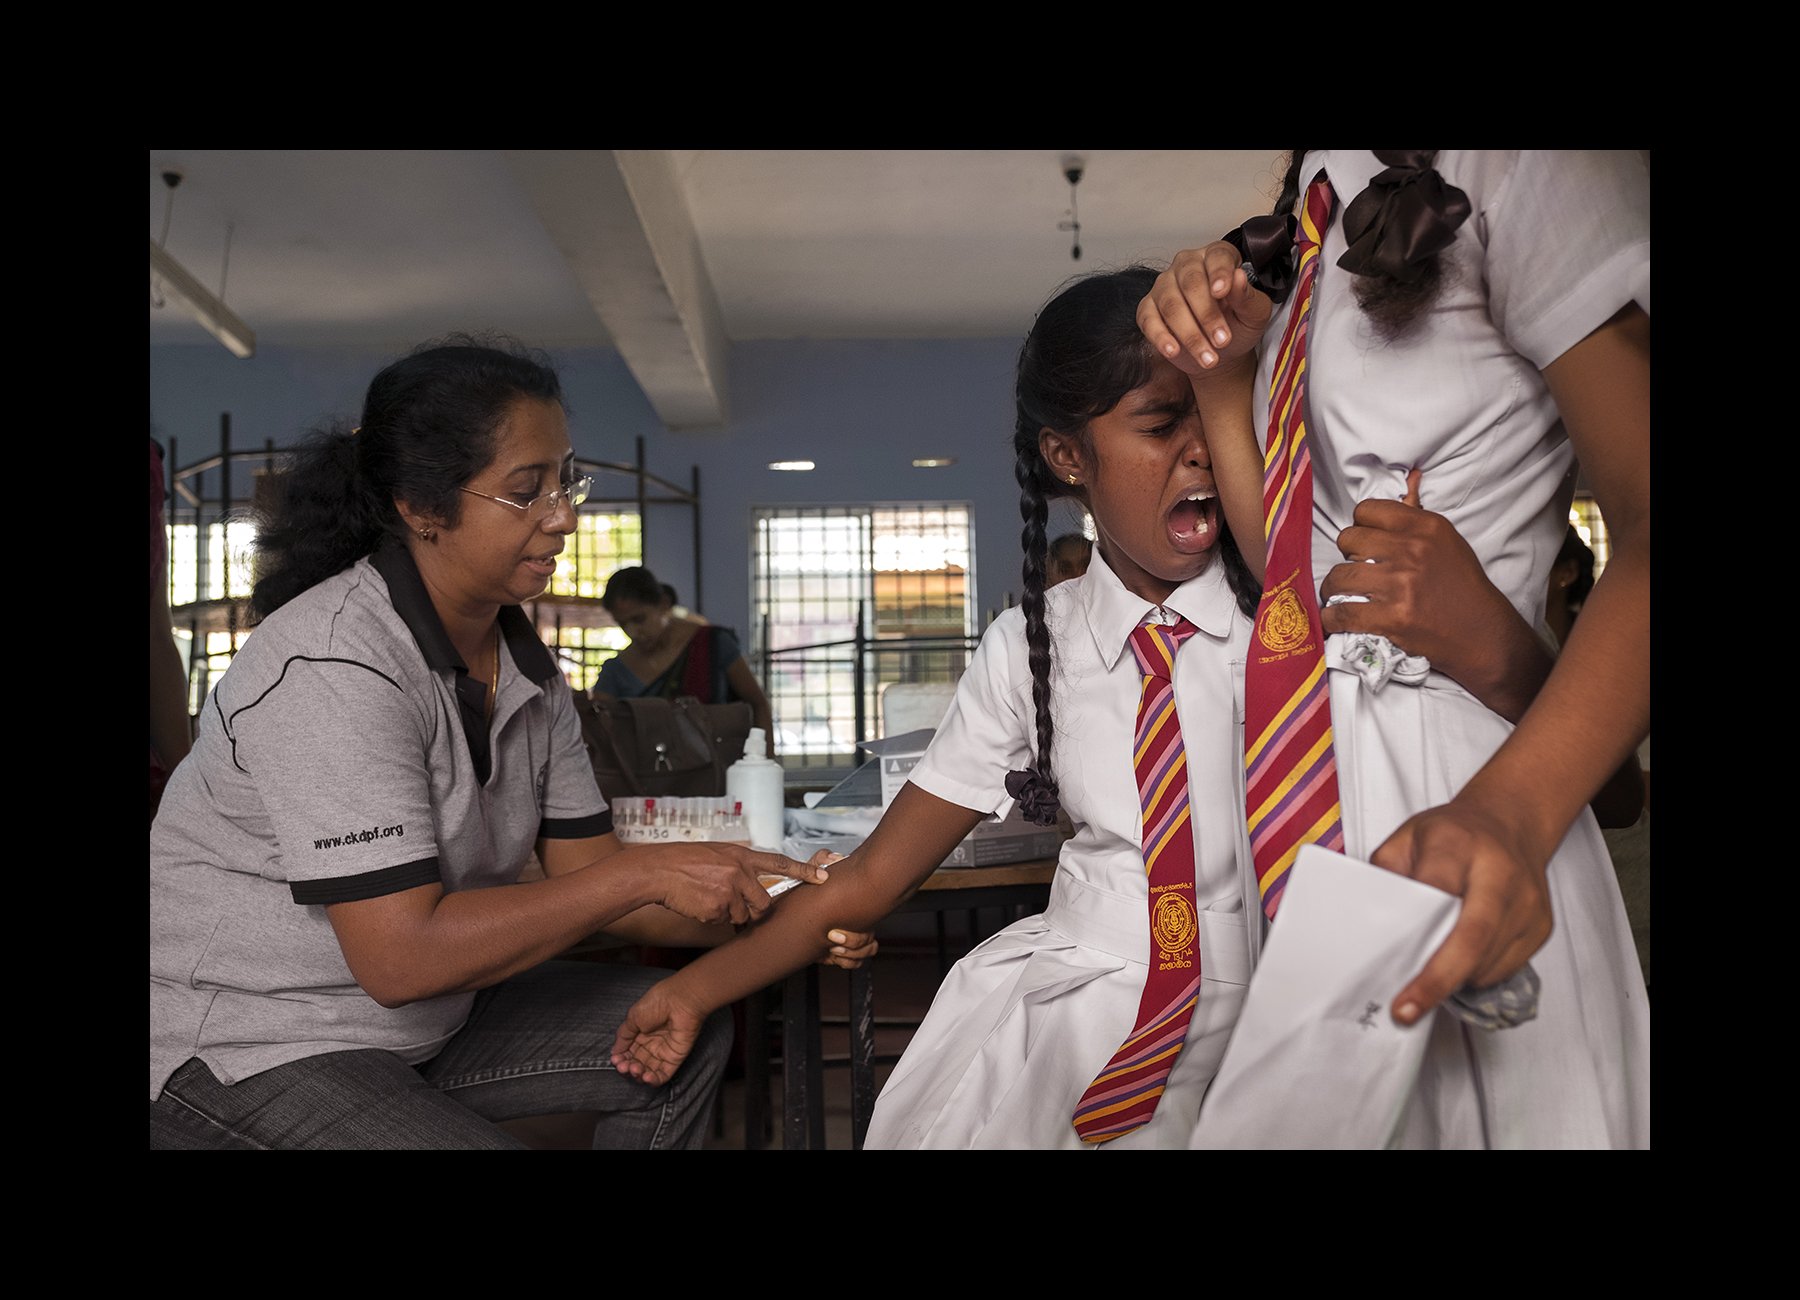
987,732
1568,245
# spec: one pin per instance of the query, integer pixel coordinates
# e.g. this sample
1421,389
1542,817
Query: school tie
1291,787
1124,1094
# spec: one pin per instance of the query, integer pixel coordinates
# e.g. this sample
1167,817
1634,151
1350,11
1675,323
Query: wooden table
1024,884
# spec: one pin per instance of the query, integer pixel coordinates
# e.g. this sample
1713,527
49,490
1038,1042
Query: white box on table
843,817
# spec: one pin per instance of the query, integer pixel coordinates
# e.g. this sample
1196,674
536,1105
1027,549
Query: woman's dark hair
1084,353
635,583
428,426
1393,306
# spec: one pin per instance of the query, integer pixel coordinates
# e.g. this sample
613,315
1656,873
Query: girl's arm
1203,316
660,927
1492,843
915,835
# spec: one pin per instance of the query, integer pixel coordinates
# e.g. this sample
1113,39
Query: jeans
539,1044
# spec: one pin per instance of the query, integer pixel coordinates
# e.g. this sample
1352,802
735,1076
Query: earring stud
1071,480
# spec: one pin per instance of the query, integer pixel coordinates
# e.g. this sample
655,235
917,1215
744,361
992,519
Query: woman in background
671,655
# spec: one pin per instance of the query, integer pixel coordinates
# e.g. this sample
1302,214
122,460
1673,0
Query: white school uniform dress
1555,244
1021,1025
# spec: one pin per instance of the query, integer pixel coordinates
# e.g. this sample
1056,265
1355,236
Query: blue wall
862,410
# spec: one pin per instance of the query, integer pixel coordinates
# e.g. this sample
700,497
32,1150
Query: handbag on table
650,747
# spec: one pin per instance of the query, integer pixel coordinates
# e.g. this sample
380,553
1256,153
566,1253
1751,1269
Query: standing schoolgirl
1482,316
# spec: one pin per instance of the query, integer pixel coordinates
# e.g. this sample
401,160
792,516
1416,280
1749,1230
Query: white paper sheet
1316,1060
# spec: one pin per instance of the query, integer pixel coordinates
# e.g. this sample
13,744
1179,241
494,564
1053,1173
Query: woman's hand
656,1036
1472,852
1202,310
659,1031
849,948
714,882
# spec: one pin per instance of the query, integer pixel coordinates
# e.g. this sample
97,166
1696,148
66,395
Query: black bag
652,747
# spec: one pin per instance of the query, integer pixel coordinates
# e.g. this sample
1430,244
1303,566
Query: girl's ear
1063,455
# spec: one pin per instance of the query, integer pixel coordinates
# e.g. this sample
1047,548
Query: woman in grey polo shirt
341,951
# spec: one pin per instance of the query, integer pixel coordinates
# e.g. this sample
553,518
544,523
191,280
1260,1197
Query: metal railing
839,684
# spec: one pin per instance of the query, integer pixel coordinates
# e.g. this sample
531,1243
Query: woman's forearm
662,928
1595,706
1588,718
426,943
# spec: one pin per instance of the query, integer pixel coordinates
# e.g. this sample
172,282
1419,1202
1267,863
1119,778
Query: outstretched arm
1492,843
915,835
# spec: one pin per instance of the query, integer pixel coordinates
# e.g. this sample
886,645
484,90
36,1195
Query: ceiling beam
619,217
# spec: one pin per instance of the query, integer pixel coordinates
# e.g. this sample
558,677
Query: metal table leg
802,1070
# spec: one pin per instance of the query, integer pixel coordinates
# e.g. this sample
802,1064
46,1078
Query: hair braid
1042,803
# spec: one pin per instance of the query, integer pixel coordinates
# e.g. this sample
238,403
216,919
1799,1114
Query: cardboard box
898,756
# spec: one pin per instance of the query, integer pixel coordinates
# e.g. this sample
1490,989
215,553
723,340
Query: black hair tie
1266,245
1405,217
1036,803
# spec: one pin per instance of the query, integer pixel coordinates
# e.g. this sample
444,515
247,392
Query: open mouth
544,565
1194,520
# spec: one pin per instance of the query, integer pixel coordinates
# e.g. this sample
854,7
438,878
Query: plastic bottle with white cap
758,782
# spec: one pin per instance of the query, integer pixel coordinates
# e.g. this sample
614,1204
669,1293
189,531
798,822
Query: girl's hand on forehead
1202,312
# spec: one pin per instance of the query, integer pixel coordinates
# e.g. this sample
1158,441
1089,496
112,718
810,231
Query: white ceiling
669,255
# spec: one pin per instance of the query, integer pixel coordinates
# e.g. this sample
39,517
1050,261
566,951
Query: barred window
1584,515
848,599
583,637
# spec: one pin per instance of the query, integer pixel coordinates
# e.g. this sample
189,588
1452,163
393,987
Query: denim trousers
538,1044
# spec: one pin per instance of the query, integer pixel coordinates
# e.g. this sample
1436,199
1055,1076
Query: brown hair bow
1404,218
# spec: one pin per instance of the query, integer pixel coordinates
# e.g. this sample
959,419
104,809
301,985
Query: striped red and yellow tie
1123,1096
1291,786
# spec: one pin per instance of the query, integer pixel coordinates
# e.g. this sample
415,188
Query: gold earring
425,534
1071,480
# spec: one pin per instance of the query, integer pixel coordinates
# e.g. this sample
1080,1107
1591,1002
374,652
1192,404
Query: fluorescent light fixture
933,462
218,319
795,465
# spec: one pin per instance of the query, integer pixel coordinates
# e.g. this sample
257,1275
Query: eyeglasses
540,508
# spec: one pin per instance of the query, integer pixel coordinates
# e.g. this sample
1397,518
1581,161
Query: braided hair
1393,306
1084,353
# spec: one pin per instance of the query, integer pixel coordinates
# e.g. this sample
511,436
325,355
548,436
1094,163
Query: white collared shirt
991,728
1558,240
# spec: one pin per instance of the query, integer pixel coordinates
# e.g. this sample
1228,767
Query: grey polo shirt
341,757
